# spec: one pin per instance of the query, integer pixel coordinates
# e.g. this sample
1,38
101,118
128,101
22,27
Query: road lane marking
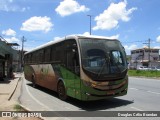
133,88
137,109
157,93
34,97
154,92
39,101
56,113
145,79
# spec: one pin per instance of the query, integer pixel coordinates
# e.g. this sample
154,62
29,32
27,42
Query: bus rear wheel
61,91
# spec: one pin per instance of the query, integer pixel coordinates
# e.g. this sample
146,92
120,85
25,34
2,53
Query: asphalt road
143,95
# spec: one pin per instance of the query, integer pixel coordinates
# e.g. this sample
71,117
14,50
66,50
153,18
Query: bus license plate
110,93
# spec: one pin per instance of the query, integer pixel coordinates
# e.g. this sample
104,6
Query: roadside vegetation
144,73
17,107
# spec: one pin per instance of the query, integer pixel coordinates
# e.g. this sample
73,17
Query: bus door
72,64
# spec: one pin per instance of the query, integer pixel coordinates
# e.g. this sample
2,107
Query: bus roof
68,37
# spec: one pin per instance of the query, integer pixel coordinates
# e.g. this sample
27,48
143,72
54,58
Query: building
145,57
9,58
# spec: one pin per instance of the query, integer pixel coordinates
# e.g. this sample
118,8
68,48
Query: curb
28,110
11,94
23,107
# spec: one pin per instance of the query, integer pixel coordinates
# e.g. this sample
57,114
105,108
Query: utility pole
90,24
149,43
22,53
149,46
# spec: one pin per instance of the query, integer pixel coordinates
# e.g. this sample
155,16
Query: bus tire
33,81
61,91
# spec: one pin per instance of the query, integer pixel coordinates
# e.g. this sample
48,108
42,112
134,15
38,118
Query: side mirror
72,48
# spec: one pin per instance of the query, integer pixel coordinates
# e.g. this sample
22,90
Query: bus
83,67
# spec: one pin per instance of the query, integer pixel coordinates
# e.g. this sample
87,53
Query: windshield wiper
106,61
117,67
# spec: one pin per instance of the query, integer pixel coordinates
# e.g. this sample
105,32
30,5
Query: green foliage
17,107
145,73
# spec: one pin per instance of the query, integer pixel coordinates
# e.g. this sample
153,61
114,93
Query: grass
17,107
144,73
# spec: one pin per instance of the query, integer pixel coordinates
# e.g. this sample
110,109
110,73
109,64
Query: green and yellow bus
82,67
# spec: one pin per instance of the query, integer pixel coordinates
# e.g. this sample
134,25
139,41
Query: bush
145,73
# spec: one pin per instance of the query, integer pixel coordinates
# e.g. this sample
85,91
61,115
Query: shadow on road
5,81
89,105
100,104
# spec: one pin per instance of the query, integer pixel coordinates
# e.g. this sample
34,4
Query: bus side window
57,53
34,58
52,53
26,59
47,54
37,57
69,57
41,56
29,58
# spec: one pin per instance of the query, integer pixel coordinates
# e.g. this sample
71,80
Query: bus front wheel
61,91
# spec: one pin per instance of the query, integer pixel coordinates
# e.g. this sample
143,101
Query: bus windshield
102,56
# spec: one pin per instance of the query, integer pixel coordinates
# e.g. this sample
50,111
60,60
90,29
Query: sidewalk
9,96
7,89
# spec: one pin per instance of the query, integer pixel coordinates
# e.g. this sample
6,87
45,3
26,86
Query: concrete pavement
10,90
8,87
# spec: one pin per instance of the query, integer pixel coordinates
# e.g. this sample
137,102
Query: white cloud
10,36
11,6
37,24
12,39
28,48
158,39
145,46
6,6
9,32
114,37
56,38
131,47
110,18
25,9
157,47
86,33
68,7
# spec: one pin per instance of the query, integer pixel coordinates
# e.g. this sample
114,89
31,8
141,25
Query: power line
151,41
133,42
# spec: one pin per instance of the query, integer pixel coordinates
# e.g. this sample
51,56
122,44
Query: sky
132,22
